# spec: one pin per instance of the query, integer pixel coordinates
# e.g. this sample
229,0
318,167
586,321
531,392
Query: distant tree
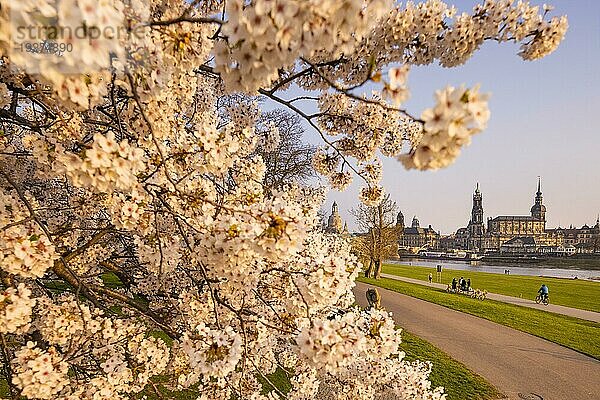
380,235
287,157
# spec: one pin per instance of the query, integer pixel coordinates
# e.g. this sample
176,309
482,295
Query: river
515,269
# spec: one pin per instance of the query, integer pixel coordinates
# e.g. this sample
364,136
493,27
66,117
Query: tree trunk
380,223
377,273
369,270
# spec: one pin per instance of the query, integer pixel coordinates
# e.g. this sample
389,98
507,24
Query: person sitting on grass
543,291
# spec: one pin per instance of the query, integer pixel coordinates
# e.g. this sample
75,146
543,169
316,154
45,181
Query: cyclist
543,291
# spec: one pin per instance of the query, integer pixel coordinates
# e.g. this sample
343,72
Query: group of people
462,283
507,272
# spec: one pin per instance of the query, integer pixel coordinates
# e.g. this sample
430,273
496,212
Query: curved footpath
554,308
520,365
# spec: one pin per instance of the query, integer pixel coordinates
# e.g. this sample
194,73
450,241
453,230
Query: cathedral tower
476,228
538,211
477,210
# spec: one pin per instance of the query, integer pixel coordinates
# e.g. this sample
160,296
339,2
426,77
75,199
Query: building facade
415,237
585,239
523,233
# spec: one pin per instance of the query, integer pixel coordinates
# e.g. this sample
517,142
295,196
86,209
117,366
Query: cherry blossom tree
139,246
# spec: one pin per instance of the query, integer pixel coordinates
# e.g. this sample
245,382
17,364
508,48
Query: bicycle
479,294
541,299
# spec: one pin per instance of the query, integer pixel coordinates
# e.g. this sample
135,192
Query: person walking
430,277
454,284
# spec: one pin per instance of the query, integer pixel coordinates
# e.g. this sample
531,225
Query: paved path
513,361
555,308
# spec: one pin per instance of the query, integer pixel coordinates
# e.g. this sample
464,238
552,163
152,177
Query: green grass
279,379
566,292
577,334
4,392
458,381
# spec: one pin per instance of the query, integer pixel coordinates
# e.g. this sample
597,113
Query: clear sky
543,123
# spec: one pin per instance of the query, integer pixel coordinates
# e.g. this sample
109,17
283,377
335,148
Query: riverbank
576,262
580,272
578,293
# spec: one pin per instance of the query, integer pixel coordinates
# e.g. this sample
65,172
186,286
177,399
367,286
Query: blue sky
543,123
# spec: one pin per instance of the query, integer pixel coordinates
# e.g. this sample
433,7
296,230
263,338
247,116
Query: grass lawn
577,334
566,292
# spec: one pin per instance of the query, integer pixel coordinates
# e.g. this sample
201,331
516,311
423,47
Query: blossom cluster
106,166
61,324
4,95
432,30
270,35
458,114
24,249
40,374
15,309
334,343
215,353
90,32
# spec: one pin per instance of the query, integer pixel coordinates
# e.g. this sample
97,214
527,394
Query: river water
515,269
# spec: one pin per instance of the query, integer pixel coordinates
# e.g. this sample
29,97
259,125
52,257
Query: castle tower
538,211
400,220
